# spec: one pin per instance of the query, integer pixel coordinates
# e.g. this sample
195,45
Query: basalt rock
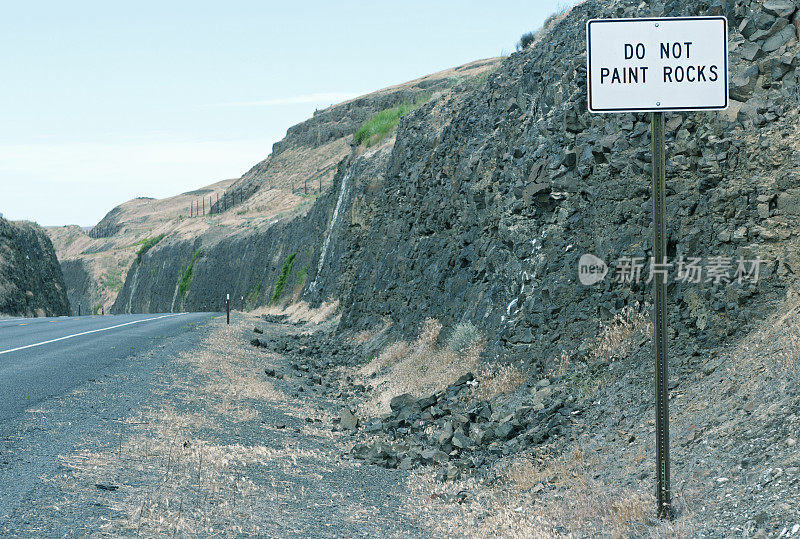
31,282
458,435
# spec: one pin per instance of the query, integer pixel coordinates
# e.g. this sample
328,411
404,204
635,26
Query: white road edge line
88,332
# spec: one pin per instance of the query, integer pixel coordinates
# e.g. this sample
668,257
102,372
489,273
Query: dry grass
615,338
494,380
775,345
370,334
561,365
419,368
614,341
201,490
301,312
299,168
389,357
176,481
545,497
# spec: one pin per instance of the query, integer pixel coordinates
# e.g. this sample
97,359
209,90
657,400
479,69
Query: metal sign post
655,65
663,494
227,308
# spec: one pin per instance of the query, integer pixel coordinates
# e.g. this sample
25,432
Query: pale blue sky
101,102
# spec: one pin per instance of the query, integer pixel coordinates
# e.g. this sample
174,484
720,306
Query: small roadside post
228,308
79,309
656,65
242,303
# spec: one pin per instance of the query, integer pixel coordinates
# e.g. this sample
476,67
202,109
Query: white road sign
647,65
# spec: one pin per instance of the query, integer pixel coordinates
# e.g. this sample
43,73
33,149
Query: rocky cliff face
31,283
197,275
489,198
82,289
482,204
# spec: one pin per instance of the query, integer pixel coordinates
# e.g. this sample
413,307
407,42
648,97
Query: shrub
280,284
616,337
146,245
379,126
186,279
526,40
464,335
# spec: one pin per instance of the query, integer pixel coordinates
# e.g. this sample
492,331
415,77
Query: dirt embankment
31,283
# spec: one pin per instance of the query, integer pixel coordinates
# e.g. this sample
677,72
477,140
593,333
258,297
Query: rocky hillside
481,204
96,263
281,210
31,283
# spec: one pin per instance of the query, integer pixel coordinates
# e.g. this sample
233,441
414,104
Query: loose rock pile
309,349
450,430
312,358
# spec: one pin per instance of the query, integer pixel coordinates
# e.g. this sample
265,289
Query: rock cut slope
478,208
487,198
31,283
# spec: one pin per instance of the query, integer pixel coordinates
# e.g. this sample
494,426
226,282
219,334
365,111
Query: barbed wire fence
215,205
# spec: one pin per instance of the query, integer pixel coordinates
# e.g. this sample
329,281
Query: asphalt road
45,357
63,381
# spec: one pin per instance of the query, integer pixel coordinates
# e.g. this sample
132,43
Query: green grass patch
185,281
585,381
112,280
280,284
147,244
379,126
